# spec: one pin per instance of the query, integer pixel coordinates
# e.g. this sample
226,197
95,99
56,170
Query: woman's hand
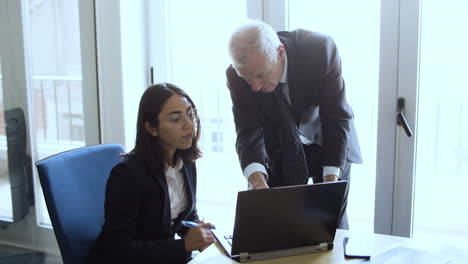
199,237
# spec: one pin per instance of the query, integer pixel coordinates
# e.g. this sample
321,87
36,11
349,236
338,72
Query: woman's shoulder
134,166
131,175
129,162
130,167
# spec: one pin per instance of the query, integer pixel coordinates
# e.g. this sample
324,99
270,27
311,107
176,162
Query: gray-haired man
292,118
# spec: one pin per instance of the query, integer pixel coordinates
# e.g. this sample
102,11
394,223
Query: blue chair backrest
74,184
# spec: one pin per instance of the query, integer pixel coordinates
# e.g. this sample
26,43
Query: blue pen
190,224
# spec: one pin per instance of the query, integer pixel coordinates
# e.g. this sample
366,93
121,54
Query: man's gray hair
253,36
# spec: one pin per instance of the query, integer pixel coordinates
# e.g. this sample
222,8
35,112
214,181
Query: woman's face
176,124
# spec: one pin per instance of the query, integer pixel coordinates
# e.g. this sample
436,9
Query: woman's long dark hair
147,146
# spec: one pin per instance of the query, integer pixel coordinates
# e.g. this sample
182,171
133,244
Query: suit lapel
297,98
160,179
190,191
189,188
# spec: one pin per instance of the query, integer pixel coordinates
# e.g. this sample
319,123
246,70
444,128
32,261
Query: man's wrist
331,170
256,178
330,178
255,167
257,181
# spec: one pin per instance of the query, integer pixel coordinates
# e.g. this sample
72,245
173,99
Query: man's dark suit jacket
317,91
137,226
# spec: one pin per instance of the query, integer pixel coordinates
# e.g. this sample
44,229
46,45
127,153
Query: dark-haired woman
152,190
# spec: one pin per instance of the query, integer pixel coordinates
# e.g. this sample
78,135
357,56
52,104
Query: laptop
284,221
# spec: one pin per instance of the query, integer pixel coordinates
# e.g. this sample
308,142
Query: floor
16,255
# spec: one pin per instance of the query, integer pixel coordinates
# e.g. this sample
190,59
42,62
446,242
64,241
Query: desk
377,243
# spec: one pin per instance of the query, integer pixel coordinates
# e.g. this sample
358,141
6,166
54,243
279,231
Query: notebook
284,221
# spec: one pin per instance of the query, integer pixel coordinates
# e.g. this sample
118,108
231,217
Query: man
291,115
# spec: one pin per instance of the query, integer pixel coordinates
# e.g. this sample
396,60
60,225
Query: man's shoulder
308,43
234,81
304,36
231,72
299,32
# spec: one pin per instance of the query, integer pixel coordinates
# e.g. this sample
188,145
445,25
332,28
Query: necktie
293,164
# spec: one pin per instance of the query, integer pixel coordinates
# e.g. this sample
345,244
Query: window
59,90
197,55
6,212
442,137
355,28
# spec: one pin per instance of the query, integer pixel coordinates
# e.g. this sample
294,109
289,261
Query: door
441,164
49,71
423,192
434,162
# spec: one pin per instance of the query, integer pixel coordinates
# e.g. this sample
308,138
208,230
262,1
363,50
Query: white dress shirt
255,166
176,187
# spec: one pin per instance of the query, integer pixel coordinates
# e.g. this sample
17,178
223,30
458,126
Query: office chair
74,184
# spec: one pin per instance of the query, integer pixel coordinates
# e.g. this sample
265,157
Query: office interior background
78,69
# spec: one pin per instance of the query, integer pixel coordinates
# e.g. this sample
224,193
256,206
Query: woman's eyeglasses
179,120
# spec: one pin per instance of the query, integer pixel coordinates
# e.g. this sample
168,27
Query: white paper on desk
212,260
455,255
211,255
403,255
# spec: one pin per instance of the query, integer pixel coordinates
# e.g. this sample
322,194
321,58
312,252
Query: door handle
151,71
401,120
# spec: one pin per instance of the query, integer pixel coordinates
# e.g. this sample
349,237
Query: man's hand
330,178
257,181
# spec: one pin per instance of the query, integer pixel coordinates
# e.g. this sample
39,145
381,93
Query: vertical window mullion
275,13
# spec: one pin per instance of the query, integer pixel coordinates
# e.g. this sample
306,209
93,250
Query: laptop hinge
246,257
322,247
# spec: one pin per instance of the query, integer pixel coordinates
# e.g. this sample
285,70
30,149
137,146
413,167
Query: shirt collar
284,76
171,172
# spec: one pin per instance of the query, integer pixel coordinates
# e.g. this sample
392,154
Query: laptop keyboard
229,239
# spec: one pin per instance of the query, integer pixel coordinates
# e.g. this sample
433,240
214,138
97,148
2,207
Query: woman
152,190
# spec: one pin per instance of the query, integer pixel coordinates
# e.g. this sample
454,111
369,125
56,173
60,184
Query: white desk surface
377,244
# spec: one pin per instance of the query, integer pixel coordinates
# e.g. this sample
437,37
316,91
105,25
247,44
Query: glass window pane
56,90
199,31
6,209
355,27
442,132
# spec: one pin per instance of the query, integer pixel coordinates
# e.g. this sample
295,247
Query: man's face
260,74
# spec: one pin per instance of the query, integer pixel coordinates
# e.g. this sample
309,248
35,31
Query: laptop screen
286,217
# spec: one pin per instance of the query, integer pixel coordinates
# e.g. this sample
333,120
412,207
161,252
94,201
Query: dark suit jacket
317,92
137,226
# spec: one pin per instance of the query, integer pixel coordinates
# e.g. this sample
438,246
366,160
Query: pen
190,224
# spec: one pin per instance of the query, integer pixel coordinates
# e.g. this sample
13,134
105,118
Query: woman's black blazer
137,227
